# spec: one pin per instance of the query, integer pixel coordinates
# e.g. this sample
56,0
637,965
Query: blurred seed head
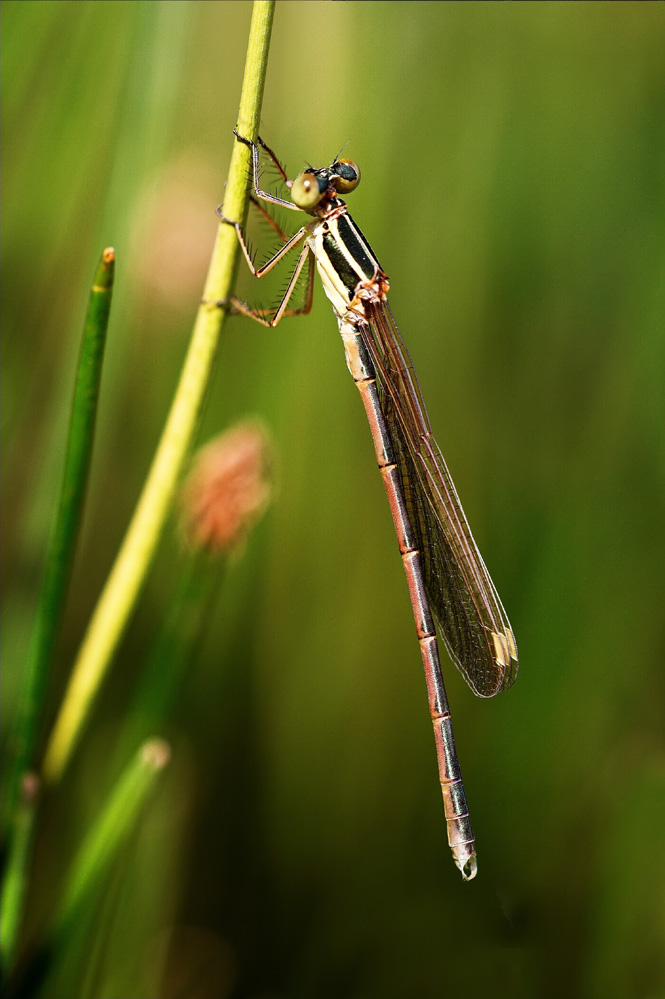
155,753
30,787
228,488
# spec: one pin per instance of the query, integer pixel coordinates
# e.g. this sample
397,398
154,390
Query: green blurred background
513,189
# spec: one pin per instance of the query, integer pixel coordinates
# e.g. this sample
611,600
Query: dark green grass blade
55,584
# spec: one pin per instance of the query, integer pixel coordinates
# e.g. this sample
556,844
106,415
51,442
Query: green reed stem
110,830
129,571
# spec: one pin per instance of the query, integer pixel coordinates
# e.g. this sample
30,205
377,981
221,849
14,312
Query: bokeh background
513,188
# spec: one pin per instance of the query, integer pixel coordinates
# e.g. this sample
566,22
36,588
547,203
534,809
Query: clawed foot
220,303
223,218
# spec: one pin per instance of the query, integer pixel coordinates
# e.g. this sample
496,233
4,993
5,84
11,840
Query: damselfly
446,575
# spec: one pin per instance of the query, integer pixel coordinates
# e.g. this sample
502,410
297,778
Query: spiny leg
265,195
265,316
269,264
272,222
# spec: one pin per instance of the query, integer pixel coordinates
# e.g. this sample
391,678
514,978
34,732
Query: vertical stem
16,877
110,829
88,872
59,560
128,574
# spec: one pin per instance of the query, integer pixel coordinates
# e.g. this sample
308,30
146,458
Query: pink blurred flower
228,488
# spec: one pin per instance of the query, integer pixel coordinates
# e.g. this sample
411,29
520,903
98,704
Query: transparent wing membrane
473,623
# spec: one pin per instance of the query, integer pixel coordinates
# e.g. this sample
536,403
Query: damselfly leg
269,317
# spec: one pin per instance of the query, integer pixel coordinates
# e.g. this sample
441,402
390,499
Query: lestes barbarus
445,572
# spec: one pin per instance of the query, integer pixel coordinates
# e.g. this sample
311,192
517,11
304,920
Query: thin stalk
110,830
189,609
89,870
174,649
57,574
129,571
16,877
226,491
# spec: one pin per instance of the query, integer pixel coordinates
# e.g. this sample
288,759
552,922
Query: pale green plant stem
110,830
129,571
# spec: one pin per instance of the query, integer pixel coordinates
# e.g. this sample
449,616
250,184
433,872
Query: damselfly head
312,186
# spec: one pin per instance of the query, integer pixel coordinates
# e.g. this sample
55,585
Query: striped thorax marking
349,270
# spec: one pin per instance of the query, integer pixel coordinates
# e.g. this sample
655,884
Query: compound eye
306,192
346,176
